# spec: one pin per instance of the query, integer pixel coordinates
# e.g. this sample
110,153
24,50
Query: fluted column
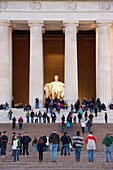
111,48
104,62
96,61
36,63
10,60
71,70
4,63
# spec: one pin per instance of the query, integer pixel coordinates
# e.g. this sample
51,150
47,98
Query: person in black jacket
4,143
54,139
26,141
41,148
65,142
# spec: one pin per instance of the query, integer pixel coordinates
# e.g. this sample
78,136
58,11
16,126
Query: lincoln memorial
40,39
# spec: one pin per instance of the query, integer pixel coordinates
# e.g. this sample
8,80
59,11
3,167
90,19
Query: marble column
104,62
4,63
10,60
96,61
71,70
111,48
36,63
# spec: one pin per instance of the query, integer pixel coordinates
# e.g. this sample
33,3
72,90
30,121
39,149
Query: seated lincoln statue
54,89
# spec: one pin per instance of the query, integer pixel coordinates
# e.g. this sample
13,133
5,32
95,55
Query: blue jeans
54,148
40,120
89,128
64,150
68,149
16,153
35,147
90,155
27,117
20,125
62,129
68,129
108,151
4,149
37,105
77,153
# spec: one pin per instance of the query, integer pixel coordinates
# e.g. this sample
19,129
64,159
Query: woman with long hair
40,148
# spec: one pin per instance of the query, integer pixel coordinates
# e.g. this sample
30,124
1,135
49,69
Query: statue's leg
58,95
53,94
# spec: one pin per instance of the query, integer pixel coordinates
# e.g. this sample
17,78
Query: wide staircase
63,162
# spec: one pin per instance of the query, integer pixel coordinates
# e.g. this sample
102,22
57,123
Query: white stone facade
70,15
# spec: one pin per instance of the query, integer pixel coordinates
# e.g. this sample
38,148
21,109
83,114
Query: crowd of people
54,143
84,113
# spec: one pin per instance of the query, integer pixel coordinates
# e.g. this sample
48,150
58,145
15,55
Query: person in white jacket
91,146
16,148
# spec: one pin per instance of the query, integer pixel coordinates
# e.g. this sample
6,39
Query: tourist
74,118
40,148
106,117
13,135
21,141
16,148
26,141
47,144
48,118
58,107
32,116
62,126
68,125
53,117
27,116
79,117
77,145
69,144
4,143
34,144
91,146
85,115
91,117
63,118
64,141
54,140
10,113
13,123
40,117
37,103
36,118
107,141
83,125
44,138
20,121
95,111
89,125
44,117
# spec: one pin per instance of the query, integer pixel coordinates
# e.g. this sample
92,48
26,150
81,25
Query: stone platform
19,112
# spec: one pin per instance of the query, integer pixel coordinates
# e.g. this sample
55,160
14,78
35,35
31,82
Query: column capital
71,23
10,28
35,23
104,23
4,22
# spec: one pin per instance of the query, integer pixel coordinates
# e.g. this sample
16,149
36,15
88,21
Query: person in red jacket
20,121
91,146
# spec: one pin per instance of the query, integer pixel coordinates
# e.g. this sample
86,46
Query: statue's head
56,77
